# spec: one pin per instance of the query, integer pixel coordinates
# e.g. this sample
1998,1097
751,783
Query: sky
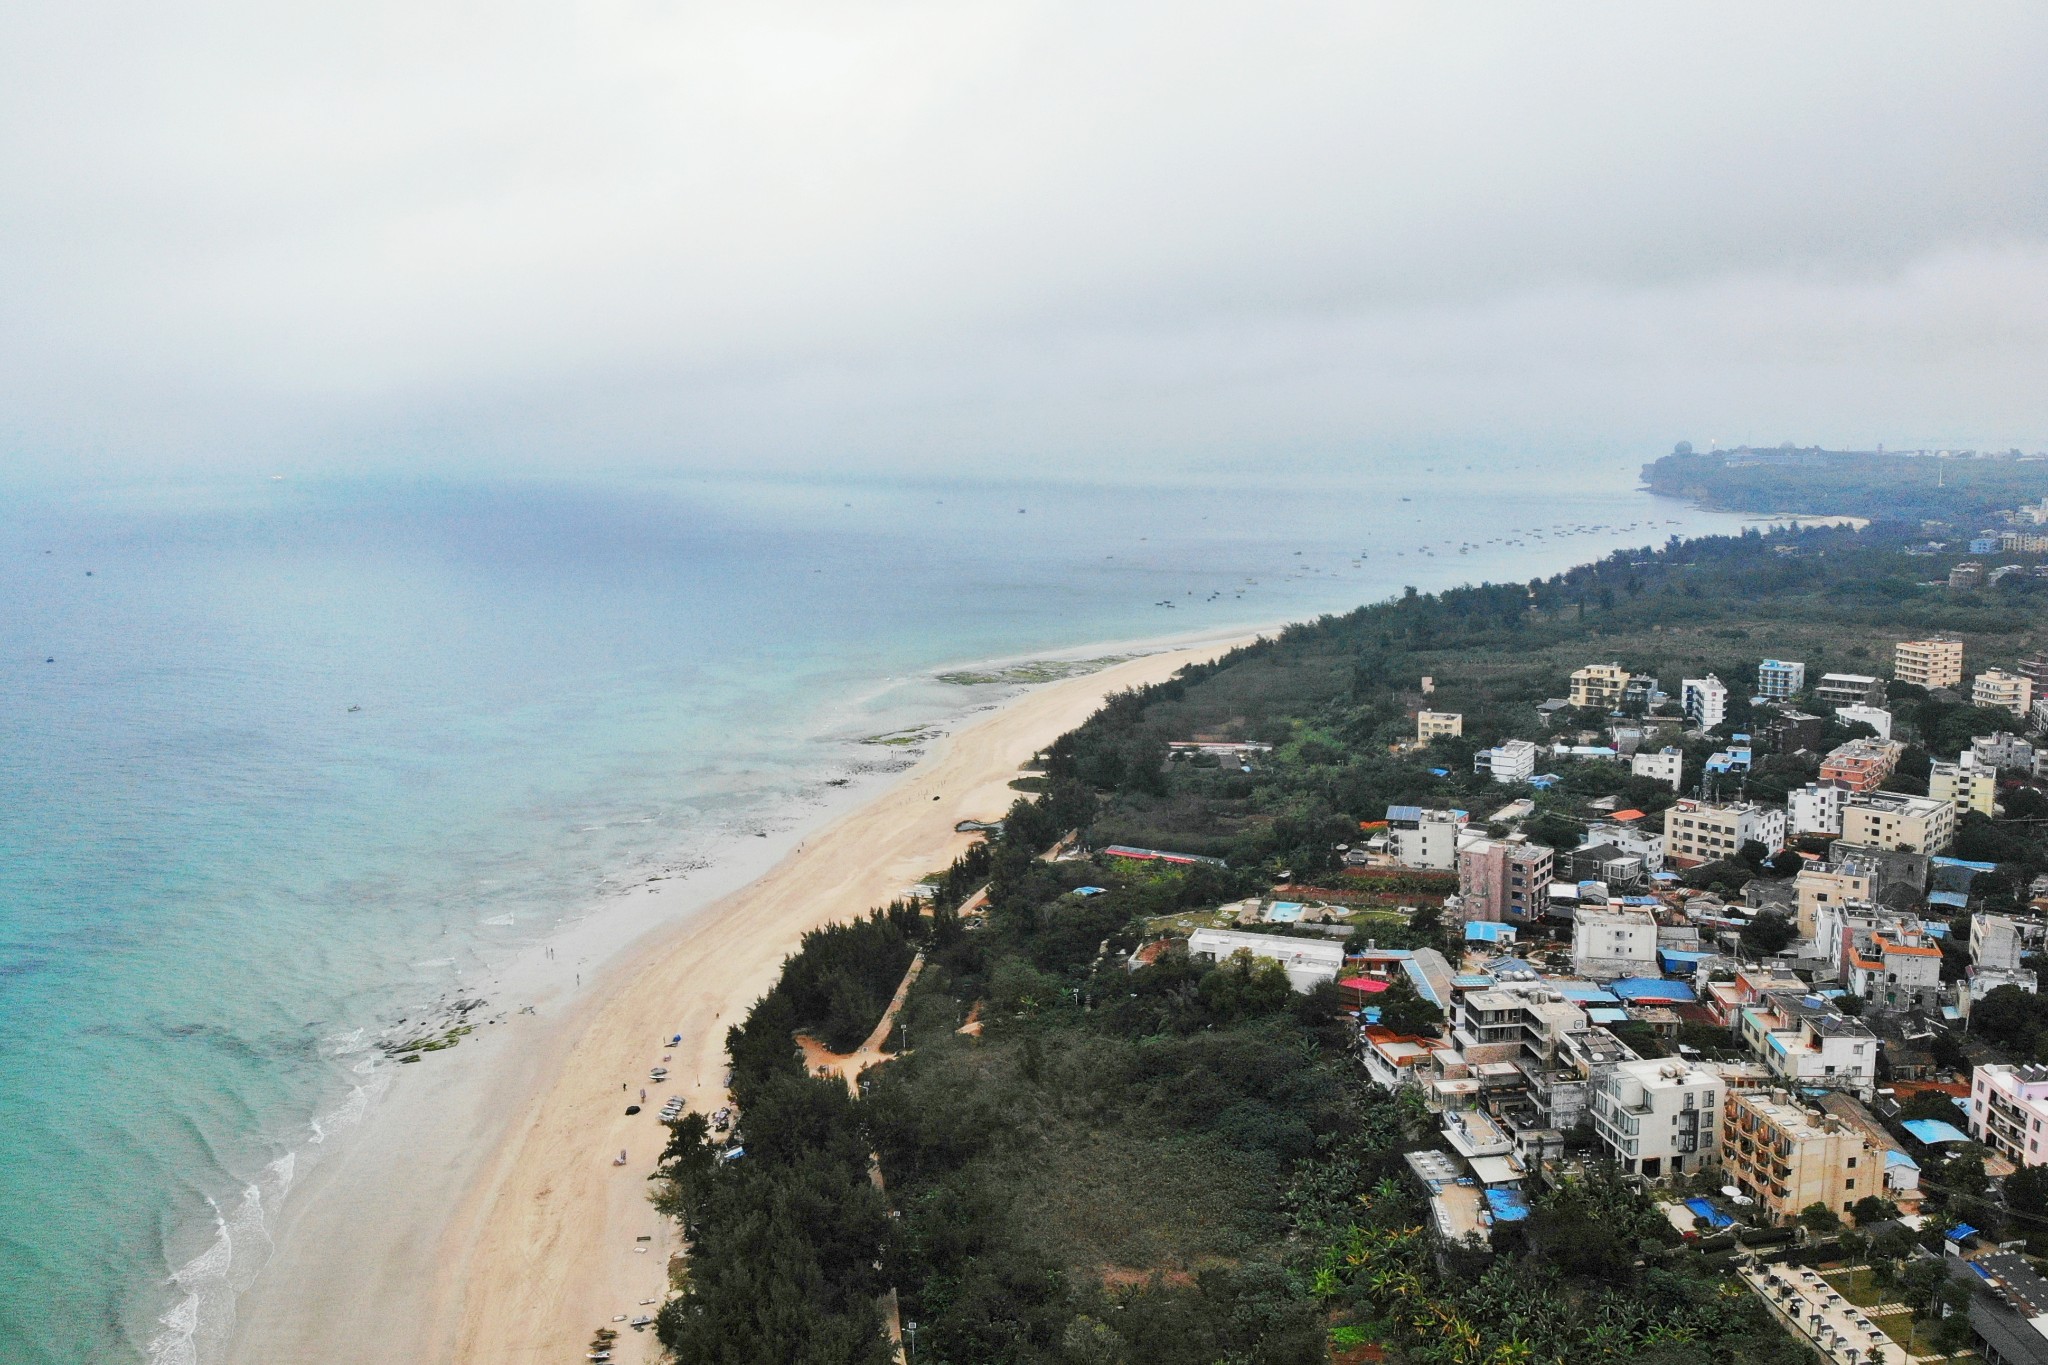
1070,238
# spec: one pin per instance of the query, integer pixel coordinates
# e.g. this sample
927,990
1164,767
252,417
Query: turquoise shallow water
218,880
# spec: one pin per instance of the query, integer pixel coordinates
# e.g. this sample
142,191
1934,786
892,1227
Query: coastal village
1789,1064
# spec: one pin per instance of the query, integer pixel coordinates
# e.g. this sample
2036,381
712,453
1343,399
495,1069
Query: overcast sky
614,234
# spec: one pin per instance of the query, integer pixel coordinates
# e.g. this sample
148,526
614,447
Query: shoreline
476,1214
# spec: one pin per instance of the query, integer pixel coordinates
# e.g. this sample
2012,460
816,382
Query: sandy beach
481,1218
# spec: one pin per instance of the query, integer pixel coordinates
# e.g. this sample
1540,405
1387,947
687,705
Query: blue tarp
1704,1209
1090,890
1508,1205
1961,1232
1954,900
1636,989
1934,1132
1486,931
1439,772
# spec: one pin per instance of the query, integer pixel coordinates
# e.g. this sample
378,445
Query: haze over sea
221,882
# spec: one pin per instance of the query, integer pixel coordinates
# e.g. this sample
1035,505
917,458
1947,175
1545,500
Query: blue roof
1685,955
1608,1015
1508,1205
1487,931
1511,964
1961,1232
1900,1159
1440,772
1544,781
1956,900
1974,867
1636,988
1934,1132
1472,981
1664,876
1934,928
1420,979
1585,994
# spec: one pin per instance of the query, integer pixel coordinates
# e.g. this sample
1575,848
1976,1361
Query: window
1852,1163
1848,1185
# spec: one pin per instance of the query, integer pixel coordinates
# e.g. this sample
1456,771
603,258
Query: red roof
1626,815
1368,984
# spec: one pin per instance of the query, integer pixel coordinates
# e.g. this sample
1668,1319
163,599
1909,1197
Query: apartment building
1503,880
1998,942
1861,765
1705,701
1815,808
1665,765
1778,679
1934,662
2003,750
1702,831
1893,820
1848,881
1599,686
1430,724
1512,760
1424,838
1849,689
1898,970
1614,942
2009,1110
2009,691
1964,784
1876,717
1802,1040
1658,1117
1788,1157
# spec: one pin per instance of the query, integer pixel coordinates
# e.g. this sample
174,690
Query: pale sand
541,1250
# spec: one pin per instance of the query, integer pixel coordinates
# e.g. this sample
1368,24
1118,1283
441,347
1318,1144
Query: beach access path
541,1251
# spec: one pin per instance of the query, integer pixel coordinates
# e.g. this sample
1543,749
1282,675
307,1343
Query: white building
1631,839
1704,831
1614,942
1424,838
1778,679
1876,717
1308,962
1705,701
1513,760
1659,1117
2009,1110
1893,820
1666,765
1815,808
1804,1041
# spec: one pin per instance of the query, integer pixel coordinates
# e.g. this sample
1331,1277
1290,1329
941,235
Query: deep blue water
217,878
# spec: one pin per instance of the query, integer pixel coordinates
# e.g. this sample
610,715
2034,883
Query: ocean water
282,762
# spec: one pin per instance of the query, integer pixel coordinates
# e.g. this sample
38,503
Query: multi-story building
1861,765
1964,784
2009,1110
1396,1061
1503,880
2010,691
1790,731
1665,765
2035,666
1900,970
1641,693
1611,943
1424,838
2003,750
1893,820
1702,831
1789,1158
1780,678
1658,1117
1430,724
1933,662
1705,701
1876,717
1815,808
1999,942
1849,689
1512,760
1599,686
1803,1040
1631,838
1851,880
1967,574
